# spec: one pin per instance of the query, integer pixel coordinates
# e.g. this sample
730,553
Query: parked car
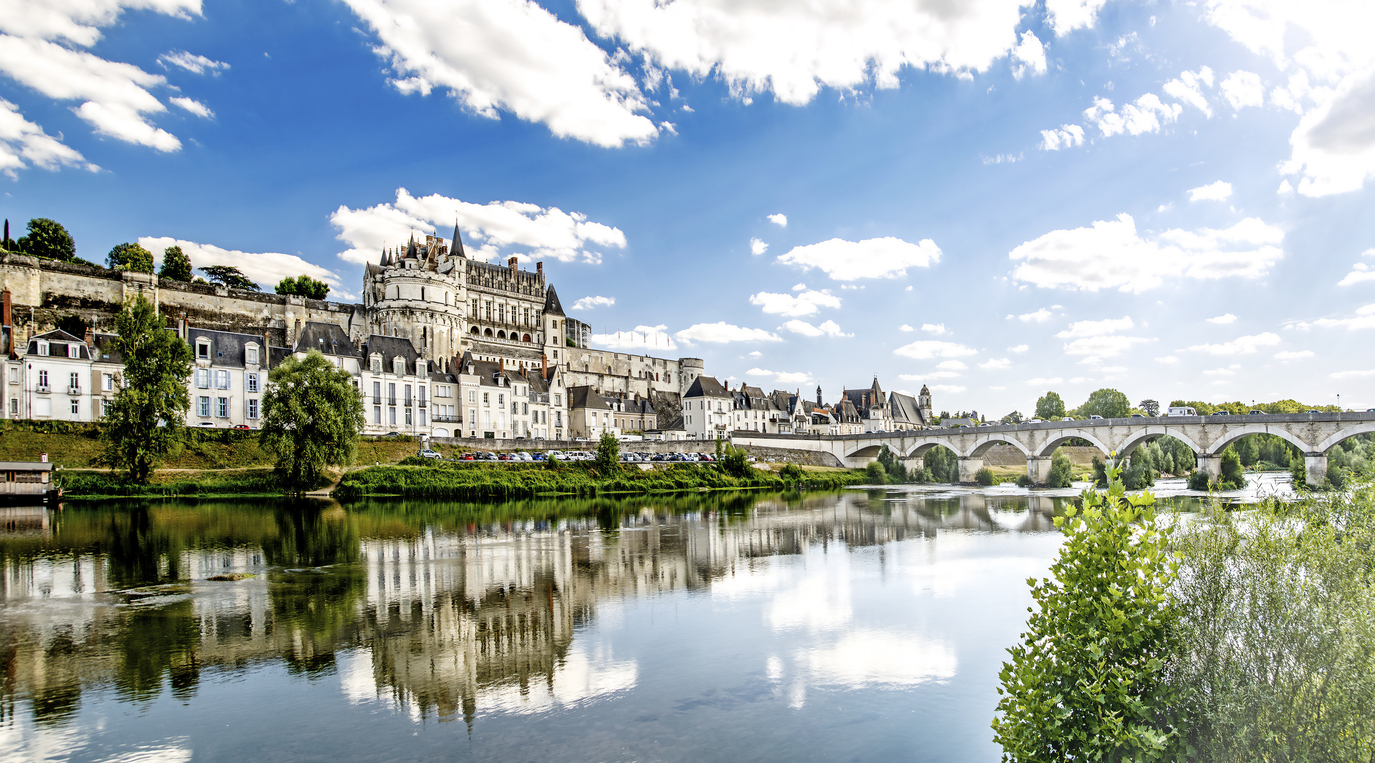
1221,413
538,457
523,457
504,457
466,457
1095,416
1315,411
241,427
1067,418
427,453
708,457
1138,416
556,454
1256,413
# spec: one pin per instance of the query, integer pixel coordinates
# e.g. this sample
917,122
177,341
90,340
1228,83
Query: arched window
474,332
487,332
501,335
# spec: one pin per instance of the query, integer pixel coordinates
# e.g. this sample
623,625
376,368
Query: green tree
735,463
145,418
132,257
608,454
1050,407
1233,477
1247,451
1149,407
1086,680
943,464
891,465
984,476
1061,469
176,266
312,415
49,240
303,286
875,473
1108,403
229,276
1012,418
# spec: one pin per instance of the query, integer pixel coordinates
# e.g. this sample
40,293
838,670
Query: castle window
422,293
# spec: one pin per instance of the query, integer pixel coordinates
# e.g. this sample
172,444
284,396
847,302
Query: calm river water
866,625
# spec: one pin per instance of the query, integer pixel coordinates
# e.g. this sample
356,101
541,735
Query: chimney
6,309
501,364
512,263
90,336
539,272
544,366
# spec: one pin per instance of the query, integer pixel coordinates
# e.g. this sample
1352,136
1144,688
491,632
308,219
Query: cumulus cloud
1019,348
196,64
1105,346
1029,56
1143,115
952,365
490,231
264,268
757,246
780,219
934,328
1168,360
1096,328
792,50
1112,255
871,258
513,56
642,339
588,303
1359,271
723,333
905,327
1363,319
1067,136
1065,16
807,302
195,107
829,328
1242,89
1189,88
927,349
1293,355
79,21
1040,316
782,377
1224,319
1244,345
993,364
1218,191
24,144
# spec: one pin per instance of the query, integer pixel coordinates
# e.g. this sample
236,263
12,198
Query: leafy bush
1086,682
984,476
1061,470
1233,477
608,454
735,463
1025,481
1298,470
1198,480
875,473
792,472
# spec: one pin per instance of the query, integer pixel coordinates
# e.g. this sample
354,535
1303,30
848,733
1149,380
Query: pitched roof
551,302
390,347
905,408
457,249
105,351
226,347
585,397
706,386
328,338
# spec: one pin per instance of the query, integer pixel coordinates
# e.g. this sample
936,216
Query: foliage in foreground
312,415
1085,683
145,418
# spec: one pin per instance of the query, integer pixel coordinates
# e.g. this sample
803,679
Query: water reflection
458,611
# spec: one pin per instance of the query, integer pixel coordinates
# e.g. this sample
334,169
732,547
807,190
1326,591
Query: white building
228,378
707,409
52,382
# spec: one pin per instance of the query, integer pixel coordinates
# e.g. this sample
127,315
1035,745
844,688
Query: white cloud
512,55
1107,346
1242,89
995,364
759,372
1359,271
926,349
191,62
1168,360
643,339
24,144
1189,88
489,230
757,246
1065,16
1019,348
782,377
1364,319
79,21
195,107
905,327
1068,136
1029,55
780,219
871,258
1219,191
808,302
1244,345
756,354
1352,374
952,365
943,375
1042,381
794,49
934,328
1144,115
1040,316
1003,158
1096,328
1111,255
587,303
265,268
1293,355
1224,319
722,333
829,328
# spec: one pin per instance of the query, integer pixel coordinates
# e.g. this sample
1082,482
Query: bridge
1314,434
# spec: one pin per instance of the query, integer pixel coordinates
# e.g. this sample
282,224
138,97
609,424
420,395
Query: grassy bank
92,485
478,481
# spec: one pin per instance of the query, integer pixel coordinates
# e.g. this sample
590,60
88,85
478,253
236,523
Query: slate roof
551,302
328,338
905,409
59,339
390,347
706,386
585,397
105,352
226,347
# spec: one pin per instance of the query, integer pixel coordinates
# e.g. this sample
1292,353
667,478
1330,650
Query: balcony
376,400
440,418
422,402
73,390
391,401
43,388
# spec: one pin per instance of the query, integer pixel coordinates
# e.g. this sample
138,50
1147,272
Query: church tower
924,403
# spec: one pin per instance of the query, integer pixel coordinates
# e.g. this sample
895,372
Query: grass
84,484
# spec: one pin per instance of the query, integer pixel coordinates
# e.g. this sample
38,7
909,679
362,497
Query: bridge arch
1233,435
869,451
920,449
1349,432
984,442
1065,435
1149,433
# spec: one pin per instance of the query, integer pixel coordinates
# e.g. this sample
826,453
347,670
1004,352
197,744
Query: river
864,625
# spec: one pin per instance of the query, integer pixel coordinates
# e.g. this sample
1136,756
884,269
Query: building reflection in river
445,610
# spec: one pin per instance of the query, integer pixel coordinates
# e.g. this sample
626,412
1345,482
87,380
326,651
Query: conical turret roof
457,249
551,303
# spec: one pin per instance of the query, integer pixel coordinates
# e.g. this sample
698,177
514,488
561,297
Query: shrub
1061,470
1198,480
1025,481
984,476
608,453
736,463
792,472
1233,477
1086,680
875,473
1298,470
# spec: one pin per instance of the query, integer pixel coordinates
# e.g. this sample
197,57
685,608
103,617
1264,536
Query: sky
991,198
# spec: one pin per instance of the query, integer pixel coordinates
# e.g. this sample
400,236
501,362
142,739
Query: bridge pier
969,468
1316,466
1038,469
1211,466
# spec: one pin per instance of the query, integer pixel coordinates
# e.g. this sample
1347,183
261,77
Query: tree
1150,407
230,276
1247,451
312,415
875,474
131,257
1108,403
735,463
49,240
1061,470
143,421
891,465
1012,418
1087,680
1050,407
176,266
608,454
7,243
1233,477
303,286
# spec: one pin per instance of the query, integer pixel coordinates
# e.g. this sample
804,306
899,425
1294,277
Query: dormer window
202,349
73,351
42,347
251,355
398,366
419,368
377,364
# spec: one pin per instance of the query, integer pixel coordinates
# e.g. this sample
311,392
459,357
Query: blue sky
991,198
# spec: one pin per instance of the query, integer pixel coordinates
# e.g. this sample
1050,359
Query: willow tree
144,420
312,415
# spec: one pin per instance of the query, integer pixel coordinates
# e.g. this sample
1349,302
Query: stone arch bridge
1313,433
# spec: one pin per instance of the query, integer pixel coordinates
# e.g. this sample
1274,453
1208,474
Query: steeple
457,248
411,252
551,303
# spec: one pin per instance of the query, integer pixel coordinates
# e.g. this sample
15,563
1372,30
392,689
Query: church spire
457,248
